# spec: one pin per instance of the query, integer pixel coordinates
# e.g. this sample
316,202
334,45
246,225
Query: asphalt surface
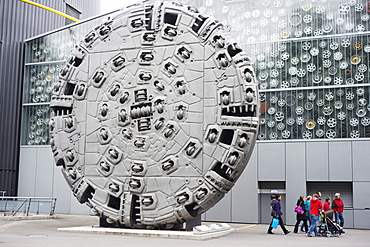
29,233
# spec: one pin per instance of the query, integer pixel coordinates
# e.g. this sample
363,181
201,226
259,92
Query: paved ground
29,233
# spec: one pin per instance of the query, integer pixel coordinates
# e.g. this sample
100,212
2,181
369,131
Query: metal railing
26,206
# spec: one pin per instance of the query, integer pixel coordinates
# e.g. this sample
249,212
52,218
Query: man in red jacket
315,208
338,207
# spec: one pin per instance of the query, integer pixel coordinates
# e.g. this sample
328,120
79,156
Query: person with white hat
338,207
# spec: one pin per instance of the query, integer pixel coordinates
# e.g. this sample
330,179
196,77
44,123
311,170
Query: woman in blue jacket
276,213
307,206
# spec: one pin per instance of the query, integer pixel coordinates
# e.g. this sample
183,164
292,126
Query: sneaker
309,235
270,233
287,232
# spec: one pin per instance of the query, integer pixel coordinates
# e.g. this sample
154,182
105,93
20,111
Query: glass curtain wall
310,57
311,60
45,57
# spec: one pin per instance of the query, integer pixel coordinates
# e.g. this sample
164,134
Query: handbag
299,210
273,213
275,223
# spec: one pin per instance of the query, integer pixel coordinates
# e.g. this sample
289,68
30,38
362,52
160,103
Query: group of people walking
308,212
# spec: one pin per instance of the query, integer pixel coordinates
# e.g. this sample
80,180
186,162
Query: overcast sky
110,5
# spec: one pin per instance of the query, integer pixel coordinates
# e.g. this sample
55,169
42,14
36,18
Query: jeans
339,218
313,228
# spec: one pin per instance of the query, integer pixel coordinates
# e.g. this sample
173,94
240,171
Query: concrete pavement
38,233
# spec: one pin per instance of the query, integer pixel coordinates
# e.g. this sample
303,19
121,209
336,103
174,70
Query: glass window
311,61
45,57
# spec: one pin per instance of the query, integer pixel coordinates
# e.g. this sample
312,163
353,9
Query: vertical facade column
295,177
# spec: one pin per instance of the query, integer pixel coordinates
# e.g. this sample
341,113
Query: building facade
20,21
311,61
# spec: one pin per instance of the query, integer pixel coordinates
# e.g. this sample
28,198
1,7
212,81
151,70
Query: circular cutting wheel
155,116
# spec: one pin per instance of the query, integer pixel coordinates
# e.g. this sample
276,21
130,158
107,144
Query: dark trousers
281,223
297,225
308,223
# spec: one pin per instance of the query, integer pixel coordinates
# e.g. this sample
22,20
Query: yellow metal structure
50,9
